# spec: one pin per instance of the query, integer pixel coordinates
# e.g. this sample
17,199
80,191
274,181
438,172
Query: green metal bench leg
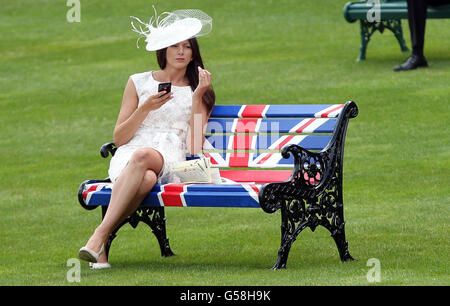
368,28
365,38
396,28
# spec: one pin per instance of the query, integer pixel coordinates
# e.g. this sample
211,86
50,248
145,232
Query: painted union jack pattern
245,143
253,135
183,195
249,136
280,111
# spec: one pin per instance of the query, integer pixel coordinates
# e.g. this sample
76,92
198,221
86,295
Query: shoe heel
88,255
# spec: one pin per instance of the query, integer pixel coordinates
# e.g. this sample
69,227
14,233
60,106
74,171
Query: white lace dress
164,129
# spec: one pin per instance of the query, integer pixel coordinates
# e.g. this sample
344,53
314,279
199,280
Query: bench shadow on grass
299,262
186,264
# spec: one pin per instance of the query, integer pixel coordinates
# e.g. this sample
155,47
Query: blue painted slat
264,142
278,125
310,142
196,195
295,110
225,111
218,141
284,110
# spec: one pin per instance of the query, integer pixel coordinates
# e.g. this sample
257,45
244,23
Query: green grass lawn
61,86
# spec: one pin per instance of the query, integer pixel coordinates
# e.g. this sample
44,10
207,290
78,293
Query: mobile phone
165,87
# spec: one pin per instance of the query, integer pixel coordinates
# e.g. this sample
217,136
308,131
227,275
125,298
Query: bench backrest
390,9
252,136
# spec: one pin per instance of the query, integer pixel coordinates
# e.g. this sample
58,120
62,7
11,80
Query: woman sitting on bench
154,129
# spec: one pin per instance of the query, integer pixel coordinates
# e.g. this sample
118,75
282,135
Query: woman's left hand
204,82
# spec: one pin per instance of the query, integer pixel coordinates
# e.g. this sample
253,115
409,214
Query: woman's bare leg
150,179
128,191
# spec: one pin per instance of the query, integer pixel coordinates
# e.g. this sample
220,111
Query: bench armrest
311,170
314,172
108,148
82,192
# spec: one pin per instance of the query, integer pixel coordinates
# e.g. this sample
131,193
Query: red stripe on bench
253,111
324,115
171,196
213,161
92,188
278,147
255,188
257,176
246,125
239,159
242,142
300,129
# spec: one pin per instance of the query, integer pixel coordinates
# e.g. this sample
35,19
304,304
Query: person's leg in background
417,14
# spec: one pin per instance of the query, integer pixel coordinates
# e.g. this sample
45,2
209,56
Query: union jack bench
292,157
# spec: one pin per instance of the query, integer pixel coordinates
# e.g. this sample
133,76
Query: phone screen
165,87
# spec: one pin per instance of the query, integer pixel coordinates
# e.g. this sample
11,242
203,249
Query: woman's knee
148,181
142,155
150,177
148,158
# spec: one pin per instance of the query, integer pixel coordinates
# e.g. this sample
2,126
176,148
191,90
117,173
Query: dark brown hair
209,96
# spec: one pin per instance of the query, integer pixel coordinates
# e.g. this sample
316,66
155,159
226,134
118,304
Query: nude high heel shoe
88,255
99,265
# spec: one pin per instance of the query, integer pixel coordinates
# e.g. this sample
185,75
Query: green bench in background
390,15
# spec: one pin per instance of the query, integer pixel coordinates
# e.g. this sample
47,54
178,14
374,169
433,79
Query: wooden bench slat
282,110
183,195
273,125
391,10
272,142
249,160
257,176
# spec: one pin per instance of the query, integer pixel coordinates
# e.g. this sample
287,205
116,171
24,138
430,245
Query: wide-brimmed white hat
176,26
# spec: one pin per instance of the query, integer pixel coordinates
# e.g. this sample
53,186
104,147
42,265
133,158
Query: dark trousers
417,15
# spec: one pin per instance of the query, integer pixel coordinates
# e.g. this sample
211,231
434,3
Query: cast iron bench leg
158,225
154,218
336,226
310,217
342,245
289,233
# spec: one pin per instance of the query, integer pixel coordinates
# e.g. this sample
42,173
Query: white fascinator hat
170,28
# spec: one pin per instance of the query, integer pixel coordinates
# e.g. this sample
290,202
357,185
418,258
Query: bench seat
98,193
183,195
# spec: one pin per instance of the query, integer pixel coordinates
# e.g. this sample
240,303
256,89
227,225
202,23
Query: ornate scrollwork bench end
268,198
313,194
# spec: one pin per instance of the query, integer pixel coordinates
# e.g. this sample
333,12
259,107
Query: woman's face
179,55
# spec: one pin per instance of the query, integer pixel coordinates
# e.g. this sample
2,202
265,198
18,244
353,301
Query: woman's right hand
157,100
131,115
